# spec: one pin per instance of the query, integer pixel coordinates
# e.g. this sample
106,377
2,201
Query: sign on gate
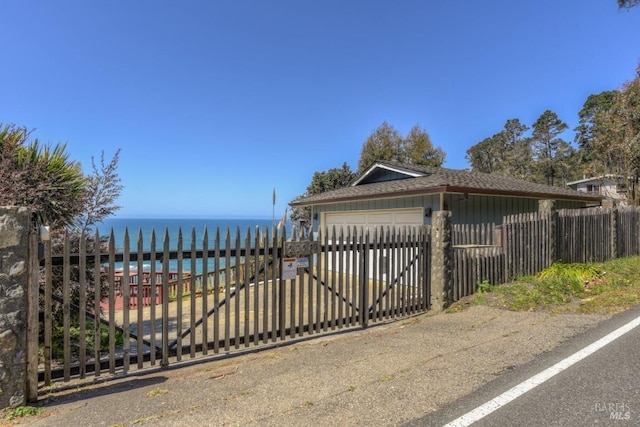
289,268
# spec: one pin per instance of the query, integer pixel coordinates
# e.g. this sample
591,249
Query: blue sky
216,103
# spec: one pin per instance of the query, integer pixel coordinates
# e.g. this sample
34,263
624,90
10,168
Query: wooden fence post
548,207
614,231
441,261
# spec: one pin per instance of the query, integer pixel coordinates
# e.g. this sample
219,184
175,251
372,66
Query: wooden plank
82,305
153,279
126,292
374,266
364,278
301,298
338,260
244,286
66,309
140,304
180,293
386,248
282,294
192,300
345,274
227,291
216,291
97,299
329,298
266,287
275,286
112,303
165,300
256,287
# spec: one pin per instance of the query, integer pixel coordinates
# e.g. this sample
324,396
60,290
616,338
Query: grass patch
157,391
602,288
22,411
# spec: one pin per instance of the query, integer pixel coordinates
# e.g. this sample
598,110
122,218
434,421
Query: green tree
614,138
594,107
383,144
506,153
518,155
417,149
387,144
487,155
627,4
321,182
549,150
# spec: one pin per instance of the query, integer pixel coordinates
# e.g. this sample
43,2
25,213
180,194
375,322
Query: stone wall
14,244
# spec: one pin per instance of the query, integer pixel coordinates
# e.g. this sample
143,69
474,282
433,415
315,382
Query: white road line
517,391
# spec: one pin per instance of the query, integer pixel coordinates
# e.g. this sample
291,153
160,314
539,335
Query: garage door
372,219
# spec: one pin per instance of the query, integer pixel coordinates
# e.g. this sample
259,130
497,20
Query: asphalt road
601,389
386,375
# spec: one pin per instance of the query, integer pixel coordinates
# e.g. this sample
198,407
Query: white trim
375,166
414,212
517,391
598,179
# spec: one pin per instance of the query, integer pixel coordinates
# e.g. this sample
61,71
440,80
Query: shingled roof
441,180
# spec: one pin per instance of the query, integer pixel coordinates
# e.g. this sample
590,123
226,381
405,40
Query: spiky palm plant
41,177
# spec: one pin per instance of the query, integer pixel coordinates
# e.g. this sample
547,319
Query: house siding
475,209
471,209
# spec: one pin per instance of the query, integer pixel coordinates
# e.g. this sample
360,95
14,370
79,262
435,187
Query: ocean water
170,227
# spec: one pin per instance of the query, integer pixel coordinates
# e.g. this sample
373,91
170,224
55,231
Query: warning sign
289,268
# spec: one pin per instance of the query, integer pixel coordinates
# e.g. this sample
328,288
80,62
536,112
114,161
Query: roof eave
530,195
451,189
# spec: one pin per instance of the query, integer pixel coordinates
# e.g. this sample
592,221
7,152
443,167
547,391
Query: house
393,194
609,186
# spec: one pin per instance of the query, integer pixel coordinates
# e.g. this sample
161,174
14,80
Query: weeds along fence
113,312
526,244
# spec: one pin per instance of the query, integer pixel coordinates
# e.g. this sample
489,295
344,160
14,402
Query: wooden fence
288,290
584,235
227,294
627,231
474,234
475,266
527,244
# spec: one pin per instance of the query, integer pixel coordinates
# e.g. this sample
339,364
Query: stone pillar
441,261
14,274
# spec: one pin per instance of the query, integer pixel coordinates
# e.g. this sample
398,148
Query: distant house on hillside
608,186
393,194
